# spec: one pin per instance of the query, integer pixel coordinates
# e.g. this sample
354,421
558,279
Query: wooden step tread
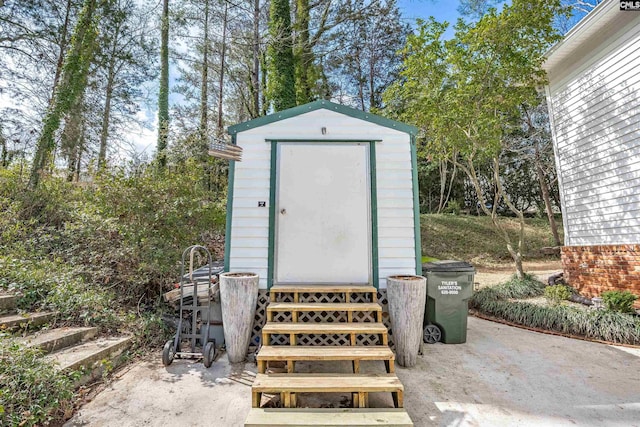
311,417
327,383
298,352
324,328
313,306
322,288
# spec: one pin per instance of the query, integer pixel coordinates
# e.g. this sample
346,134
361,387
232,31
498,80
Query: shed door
323,213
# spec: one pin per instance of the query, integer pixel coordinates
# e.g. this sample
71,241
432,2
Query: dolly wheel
209,354
168,352
432,334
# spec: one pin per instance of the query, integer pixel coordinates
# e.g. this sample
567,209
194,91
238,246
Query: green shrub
516,288
621,301
595,324
556,294
32,391
152,331
123,232
453,207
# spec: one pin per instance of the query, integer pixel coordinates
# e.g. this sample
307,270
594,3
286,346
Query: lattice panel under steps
309,339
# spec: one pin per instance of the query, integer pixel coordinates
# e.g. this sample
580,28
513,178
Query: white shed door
323,213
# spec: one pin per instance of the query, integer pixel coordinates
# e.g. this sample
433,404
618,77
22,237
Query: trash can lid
202,273
448,266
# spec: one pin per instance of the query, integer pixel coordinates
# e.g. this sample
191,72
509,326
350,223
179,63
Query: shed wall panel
250,223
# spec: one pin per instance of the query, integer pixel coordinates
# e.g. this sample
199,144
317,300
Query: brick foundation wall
595,269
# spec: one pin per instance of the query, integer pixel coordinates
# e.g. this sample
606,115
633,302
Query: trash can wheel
432,334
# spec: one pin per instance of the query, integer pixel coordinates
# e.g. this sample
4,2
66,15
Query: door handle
283,211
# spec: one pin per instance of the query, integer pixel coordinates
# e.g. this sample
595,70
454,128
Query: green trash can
449,287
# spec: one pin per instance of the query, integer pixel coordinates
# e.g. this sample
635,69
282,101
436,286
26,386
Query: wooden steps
297,308
355,354
316,417
346,290
357,385
352,329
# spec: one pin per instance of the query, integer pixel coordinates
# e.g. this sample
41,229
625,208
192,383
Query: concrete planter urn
238,298
407,297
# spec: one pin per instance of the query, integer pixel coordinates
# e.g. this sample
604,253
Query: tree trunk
63,47
265,69
238,296
163,96
443,183
303,53
72,85
255,74
4,153
104,131
544,188
407,299
516,254
282,81
204,94
220,128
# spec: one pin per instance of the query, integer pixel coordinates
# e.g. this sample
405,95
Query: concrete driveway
502,376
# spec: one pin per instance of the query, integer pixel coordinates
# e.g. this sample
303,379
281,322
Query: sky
442,10
144,138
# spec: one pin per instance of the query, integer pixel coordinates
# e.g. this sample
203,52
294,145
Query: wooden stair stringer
288,385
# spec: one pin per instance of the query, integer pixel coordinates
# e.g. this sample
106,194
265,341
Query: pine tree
163,97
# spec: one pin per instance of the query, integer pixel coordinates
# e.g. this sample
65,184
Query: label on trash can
449,287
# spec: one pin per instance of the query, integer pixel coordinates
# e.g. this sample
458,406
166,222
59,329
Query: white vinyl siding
596,131
250,223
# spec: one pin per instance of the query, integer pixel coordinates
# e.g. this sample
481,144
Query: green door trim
416,205
374,213
227,232
272,206
272,213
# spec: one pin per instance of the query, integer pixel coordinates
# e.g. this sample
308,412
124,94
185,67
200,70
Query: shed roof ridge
326,105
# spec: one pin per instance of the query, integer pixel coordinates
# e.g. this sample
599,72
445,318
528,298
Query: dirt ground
488,276
502,376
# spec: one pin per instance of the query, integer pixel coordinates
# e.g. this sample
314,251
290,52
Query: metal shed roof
327,105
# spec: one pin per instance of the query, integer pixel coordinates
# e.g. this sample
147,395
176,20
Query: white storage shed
325,194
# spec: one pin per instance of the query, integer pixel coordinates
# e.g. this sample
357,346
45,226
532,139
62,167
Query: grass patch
474,239
601,325
32,391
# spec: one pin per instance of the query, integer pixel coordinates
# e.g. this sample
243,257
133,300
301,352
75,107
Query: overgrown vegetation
473,238
32,391
621,301
100,254
606,325
556,294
